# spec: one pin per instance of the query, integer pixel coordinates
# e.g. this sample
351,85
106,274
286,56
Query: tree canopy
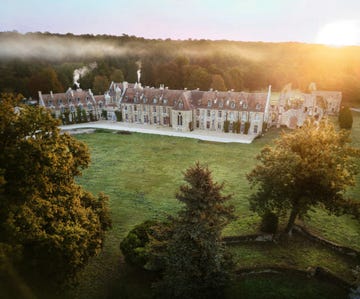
196,265
311,166
52,223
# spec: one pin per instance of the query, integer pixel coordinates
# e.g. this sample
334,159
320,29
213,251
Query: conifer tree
196,263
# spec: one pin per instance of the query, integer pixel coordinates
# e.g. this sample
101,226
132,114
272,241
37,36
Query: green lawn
141,174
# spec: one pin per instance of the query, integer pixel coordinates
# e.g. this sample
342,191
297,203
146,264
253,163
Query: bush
226,126
118,115
345,118
144,245
247,127
269,223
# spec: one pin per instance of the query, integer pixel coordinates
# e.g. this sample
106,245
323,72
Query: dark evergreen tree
196,263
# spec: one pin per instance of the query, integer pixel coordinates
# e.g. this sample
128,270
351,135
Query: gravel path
160,130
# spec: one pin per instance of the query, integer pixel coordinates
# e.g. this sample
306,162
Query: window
255,129
144,100
100,105
208,125
221,104
155,100
180,120
78,100
154,108
258,106
244,105
197,112
231,116
243,116
126,116
155,120
208,113
164,109
165,101
146,119
72,108
125,107
219,126
69,101
60,101
144,108
209,103
232,104
181,105
197,124
90,107
135,118
257,116
135,108
219,113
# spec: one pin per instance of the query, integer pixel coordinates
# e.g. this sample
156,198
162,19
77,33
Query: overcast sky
243,20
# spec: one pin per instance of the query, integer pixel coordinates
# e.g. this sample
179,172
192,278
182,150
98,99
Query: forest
54,62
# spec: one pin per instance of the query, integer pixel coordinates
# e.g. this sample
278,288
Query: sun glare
341,33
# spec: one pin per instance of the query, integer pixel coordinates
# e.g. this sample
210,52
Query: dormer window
221,104
227,102
232,104
244,105
135,99
78,100
165,101
181,105
155,100
69,101
72,108
100,105
90,107
60,101
209,103
144,99
258,106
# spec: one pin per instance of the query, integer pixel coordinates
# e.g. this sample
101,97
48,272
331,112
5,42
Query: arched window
180,119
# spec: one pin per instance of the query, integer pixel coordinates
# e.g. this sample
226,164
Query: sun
340,33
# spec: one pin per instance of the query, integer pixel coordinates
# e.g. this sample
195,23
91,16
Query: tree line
203,64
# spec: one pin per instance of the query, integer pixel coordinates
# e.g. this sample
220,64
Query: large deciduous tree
196,264
51,222
311,166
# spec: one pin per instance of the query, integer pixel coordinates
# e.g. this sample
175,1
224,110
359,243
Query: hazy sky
245,20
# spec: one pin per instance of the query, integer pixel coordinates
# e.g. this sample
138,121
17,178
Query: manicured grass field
141,174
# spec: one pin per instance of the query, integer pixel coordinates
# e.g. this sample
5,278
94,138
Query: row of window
232,104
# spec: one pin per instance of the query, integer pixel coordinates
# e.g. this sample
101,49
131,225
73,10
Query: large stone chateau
187,110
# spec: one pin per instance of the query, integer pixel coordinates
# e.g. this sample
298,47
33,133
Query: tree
311,166
46,80
345,118
117,76
218,83
54,224
196,264
100,84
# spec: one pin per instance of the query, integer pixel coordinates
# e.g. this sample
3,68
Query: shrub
118,115
345,118
247,127
269,223
226,126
